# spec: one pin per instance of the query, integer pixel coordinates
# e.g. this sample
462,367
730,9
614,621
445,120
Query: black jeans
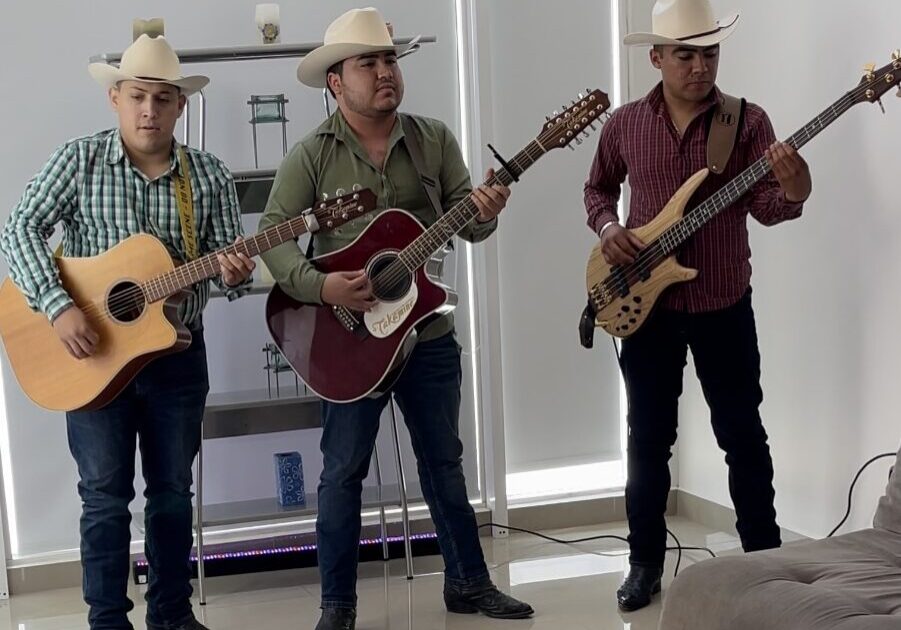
724,346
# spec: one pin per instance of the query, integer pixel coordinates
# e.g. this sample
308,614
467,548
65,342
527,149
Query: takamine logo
382,326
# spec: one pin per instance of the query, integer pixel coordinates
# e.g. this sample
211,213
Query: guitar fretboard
333,213
678,233
417,253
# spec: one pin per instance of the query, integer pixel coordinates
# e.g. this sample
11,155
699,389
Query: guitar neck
207,266
451,223
678,233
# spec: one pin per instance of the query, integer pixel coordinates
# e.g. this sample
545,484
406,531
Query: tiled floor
570,587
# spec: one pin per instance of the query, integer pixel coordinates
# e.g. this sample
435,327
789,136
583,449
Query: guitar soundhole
125,302
390,279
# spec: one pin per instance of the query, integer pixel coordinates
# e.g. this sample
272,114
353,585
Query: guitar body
48,374
341,362
624,315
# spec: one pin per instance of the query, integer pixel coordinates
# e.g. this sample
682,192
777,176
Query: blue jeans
163,406
428,393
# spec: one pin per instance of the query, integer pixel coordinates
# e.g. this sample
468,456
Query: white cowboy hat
684,23
357,32
150,60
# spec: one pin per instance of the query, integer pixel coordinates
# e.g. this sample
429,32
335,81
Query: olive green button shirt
332,158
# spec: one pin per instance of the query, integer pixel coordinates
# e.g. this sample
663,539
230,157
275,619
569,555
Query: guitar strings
654,252
397,270
136,296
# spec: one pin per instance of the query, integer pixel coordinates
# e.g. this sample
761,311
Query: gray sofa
850,582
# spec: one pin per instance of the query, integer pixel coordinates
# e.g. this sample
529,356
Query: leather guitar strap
723,133
415,149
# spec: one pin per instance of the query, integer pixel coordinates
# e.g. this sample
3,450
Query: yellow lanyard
186,206
185,201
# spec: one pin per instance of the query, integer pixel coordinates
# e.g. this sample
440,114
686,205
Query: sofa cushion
888,514
850,582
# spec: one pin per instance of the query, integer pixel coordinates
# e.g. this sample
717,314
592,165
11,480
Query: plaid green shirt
90,186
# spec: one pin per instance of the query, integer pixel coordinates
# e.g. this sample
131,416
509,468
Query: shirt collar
656,102
336,125
115,152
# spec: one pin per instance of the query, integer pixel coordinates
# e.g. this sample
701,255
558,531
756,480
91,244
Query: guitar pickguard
383,320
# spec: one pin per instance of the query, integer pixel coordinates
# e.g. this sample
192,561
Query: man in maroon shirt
658,142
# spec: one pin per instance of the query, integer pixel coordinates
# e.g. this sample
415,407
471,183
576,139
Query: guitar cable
851,489
679,547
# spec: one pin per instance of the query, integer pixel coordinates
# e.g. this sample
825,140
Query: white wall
51,98
824,286
561,402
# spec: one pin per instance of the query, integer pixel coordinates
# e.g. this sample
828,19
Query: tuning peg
356,188
869,68
581,96
556,113
340,192
547,118
879,101
325,196
898,93
593,128
896,55
571,147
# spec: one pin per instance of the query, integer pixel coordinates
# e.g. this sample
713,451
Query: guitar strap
415,149
724,126
185,201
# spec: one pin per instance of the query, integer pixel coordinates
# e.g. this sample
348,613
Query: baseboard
577,513
715,515
67,574
558,515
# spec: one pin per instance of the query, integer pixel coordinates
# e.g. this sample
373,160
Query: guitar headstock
346,207
875,82
570,124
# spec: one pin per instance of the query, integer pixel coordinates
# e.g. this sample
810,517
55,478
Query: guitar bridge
350,321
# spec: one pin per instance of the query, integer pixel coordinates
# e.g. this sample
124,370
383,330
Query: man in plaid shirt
104,188
659,141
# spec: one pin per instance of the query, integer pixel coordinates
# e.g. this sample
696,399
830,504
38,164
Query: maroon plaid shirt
641,141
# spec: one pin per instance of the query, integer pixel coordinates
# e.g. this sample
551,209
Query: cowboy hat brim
313,69
108,76
725,28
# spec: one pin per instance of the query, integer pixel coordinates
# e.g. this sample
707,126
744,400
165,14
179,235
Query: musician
364,143
104,188
659,141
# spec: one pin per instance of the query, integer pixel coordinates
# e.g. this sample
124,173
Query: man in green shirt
102,189
364,143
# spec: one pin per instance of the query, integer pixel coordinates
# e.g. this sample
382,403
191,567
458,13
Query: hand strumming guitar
619,245
351,289
76,332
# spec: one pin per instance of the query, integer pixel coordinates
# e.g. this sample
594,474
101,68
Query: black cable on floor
851,490
679,547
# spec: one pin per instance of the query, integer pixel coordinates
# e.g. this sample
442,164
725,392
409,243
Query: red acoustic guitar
344,355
